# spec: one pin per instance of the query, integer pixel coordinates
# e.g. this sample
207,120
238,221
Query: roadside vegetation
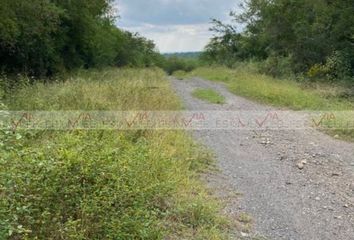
106,184
298,55
246,81
41,38
97,184
209,95
312,39
180,65
276,91
103,184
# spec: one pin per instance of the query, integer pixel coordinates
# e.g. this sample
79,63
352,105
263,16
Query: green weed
209,95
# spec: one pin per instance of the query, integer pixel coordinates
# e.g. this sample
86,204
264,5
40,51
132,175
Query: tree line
45,37
314,37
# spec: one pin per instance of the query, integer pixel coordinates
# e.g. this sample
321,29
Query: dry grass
104,184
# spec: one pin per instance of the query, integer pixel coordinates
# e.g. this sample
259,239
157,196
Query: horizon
182,52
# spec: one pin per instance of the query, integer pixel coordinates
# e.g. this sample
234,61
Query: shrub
277,66
173,64
317,71
338,66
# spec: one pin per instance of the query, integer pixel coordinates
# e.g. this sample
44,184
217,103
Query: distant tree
44,37
306,32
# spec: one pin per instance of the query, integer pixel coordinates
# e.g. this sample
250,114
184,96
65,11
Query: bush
173,64
317,71
277,66
338,66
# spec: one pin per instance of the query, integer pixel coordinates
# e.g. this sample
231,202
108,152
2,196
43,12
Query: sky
174,25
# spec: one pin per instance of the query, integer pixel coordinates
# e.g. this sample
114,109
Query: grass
209,95
180,74
104,184
277,92
283,92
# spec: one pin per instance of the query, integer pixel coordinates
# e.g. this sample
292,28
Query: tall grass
269,90
122,89
103,184
246,81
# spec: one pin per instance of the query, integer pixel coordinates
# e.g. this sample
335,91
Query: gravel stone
255,172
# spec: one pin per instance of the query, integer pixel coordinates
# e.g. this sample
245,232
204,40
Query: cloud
174,25
162,12
176,38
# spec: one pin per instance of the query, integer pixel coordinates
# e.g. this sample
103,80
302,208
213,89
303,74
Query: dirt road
285,202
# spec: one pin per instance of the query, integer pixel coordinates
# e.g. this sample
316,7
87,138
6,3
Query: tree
44,37
306,32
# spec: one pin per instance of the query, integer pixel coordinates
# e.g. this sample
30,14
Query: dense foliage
44,37
312,37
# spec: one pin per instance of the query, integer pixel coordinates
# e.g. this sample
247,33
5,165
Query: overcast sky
174,25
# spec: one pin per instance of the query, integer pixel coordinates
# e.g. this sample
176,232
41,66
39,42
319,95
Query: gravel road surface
310,201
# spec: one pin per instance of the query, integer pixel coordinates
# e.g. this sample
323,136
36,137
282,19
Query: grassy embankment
103,184
246,82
